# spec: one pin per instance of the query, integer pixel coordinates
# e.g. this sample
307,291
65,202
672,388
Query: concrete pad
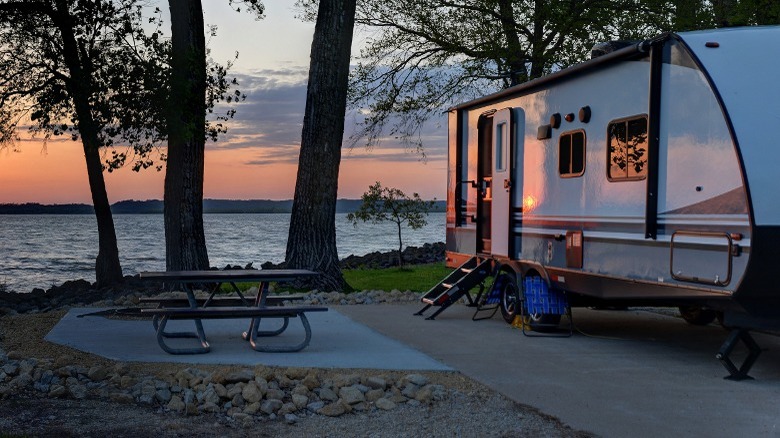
337,342
635,373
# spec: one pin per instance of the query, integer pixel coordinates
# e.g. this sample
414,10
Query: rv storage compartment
701,257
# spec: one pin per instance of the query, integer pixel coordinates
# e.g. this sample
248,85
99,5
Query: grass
417,278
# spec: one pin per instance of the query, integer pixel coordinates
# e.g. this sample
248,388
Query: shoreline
82,292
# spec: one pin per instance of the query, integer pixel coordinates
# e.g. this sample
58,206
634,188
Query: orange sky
58,175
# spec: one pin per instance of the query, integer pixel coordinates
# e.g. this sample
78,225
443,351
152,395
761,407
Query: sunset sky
258,157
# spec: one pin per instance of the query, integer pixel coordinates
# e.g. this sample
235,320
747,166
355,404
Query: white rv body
558,178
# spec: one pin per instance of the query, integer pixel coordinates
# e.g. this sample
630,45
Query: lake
45,250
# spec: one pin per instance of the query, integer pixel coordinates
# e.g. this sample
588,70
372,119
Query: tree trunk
185,241
311,242
400,247
108,270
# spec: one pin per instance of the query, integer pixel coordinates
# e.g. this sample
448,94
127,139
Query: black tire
510,295
696,315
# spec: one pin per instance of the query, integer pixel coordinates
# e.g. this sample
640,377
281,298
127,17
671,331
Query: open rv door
503,154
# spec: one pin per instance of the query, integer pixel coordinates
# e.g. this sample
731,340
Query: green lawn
418,278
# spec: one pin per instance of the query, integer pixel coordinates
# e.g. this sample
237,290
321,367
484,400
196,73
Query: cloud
270,120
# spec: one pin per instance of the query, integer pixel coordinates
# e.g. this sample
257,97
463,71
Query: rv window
500,162
571,154
627,149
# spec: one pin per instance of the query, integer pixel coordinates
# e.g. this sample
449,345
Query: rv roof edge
626,52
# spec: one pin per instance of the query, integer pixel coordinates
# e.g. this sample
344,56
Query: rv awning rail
641,47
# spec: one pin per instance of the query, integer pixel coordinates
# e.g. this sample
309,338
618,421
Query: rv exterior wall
744,69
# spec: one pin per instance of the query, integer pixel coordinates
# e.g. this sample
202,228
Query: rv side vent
544,132
602,49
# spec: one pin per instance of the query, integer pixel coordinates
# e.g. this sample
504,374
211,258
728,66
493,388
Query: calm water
44,250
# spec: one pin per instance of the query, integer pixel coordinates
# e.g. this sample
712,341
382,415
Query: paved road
636,373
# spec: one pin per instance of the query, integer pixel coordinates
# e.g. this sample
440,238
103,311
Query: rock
310,381
221,391
210,396
271,406
126,382
163,395
360,407
290,418
235,389
300,390
327,394
209,407
410,391
277,394
11,369
238,401
97,373
240,376
398,398
413,403
385,404
79,392
375,383
424,395
346,380
351,395
296,373
57,391
300,401
416,379
335,409
374,395
240,416
63,360
251,393
22,381
252,408
315,406
439,392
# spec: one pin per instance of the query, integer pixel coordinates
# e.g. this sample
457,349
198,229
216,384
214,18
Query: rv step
457,284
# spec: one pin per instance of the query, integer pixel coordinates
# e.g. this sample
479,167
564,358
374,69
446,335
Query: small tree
390,204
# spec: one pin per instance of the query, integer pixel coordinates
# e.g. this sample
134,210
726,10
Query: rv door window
571,154
500,160
627,149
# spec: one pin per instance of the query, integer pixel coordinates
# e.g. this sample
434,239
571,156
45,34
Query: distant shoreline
222,206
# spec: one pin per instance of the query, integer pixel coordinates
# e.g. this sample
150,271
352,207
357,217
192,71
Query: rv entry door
503,145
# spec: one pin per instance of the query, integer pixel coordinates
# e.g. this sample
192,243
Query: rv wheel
696,315
510,296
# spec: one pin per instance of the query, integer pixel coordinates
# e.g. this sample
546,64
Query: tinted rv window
627,149
571,154
500,163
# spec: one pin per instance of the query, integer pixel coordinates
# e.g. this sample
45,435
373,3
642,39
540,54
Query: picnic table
255,308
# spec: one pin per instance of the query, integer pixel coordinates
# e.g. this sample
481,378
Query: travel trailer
648,175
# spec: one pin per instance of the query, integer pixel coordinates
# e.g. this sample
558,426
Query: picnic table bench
255,308
255,313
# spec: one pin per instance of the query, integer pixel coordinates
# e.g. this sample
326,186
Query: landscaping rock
385,404
334,409
351,395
